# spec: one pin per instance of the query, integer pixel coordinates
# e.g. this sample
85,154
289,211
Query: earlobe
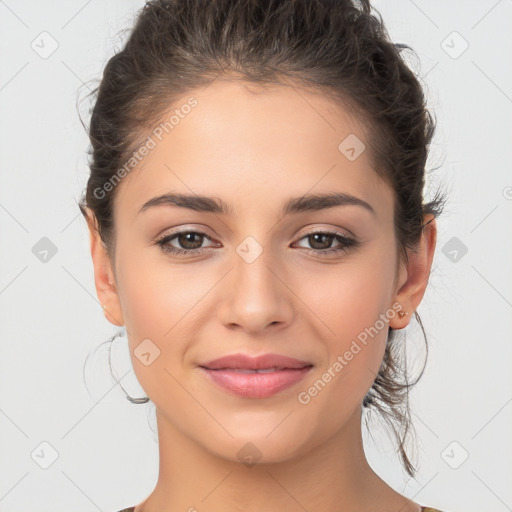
418,268
103,275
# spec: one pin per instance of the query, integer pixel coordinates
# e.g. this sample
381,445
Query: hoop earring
128,397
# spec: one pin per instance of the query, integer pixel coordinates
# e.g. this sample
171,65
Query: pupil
319,235
189,238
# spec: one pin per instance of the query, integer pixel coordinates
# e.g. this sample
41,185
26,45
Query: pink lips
236,373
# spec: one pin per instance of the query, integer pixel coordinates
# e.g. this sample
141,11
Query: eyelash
340,237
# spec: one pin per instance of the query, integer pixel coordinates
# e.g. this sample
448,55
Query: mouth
253,370
267,362
260,376
256,382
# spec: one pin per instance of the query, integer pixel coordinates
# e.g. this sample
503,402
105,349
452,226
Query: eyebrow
311,202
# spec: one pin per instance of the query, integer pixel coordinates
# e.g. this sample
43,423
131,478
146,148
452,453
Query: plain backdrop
64,447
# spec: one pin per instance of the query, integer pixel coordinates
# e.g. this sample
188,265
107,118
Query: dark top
423,509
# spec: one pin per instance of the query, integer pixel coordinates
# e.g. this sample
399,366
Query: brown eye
321,242
189,242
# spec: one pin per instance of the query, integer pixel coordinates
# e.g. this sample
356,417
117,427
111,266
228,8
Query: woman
257,224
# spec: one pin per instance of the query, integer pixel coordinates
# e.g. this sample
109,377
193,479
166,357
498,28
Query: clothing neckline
423,509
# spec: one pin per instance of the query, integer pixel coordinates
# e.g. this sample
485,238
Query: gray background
105,452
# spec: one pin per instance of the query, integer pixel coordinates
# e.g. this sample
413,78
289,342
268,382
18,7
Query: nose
255,296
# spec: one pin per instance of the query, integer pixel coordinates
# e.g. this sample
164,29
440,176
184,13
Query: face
317,285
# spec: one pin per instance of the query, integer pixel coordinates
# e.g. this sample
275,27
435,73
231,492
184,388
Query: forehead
246,144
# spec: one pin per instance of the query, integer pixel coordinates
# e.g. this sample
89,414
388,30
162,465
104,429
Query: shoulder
130,509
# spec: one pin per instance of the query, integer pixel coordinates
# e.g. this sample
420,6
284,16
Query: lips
255,377
261,364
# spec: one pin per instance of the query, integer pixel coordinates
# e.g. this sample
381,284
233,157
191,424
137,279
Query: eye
321,242
191,242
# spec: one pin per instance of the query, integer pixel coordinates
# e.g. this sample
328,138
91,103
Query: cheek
350,296
146,310
352,305
153,295
161,302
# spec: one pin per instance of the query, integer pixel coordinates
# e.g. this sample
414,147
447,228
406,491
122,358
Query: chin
257,447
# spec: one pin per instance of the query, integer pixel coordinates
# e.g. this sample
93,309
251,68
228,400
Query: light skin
254,152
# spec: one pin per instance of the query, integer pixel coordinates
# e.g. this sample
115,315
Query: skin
254,151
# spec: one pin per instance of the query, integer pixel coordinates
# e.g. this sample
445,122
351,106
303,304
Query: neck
332,476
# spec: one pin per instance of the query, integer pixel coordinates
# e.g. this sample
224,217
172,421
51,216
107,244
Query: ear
414,275
104,278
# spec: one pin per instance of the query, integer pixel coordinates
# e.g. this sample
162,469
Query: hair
337,48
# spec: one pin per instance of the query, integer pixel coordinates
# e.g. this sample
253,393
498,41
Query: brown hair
338,48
